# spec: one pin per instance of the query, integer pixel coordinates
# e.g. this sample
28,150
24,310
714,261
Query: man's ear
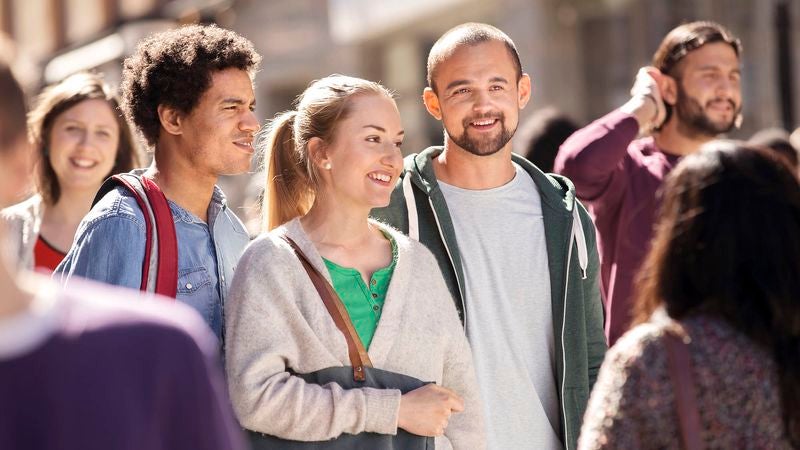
668,86
318,154
170,119
431,101
524,89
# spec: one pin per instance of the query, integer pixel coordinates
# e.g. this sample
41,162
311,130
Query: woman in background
330,162
723,274
81,138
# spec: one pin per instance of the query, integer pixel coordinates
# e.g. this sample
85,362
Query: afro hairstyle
175,67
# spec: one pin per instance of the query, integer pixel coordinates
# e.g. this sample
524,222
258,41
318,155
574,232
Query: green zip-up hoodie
418,208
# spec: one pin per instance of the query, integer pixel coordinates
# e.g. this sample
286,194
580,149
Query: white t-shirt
500,235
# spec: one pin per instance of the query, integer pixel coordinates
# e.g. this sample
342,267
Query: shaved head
467,34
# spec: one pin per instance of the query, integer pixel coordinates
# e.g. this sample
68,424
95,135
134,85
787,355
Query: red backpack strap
160,265
167,274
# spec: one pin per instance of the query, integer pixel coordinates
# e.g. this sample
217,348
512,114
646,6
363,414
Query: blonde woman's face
361,166
83,145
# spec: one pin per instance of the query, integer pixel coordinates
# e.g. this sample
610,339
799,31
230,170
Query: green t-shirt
364,303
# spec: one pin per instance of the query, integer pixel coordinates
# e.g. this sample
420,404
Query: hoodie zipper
563,329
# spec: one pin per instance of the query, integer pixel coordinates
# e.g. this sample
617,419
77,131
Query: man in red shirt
690,96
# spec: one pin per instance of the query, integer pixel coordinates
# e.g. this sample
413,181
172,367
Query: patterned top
736,383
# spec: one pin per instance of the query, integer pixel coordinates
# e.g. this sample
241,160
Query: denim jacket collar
218,203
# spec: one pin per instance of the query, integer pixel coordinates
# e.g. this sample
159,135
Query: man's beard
486,145
695,119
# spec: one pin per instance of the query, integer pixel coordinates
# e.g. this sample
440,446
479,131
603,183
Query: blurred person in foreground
80,372
723,273
81,138
690,96
777,140
330,162
189,91
541,136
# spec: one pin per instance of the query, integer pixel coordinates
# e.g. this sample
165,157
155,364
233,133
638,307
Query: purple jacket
618,177
92,370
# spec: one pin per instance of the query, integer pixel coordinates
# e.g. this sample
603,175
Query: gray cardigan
276,323
23,222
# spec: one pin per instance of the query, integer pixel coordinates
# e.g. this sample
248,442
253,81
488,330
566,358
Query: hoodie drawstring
579,238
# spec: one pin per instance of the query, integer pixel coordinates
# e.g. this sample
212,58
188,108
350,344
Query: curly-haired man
189,91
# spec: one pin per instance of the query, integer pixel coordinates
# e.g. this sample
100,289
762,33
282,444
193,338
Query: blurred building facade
581,54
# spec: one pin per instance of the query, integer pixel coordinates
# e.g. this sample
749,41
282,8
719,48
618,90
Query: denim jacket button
188,285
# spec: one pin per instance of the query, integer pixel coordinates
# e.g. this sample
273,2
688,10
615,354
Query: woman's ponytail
288,192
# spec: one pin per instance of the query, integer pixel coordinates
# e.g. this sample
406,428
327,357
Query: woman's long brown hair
727,244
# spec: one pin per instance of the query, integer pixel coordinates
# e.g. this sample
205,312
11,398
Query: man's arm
592,157
108,249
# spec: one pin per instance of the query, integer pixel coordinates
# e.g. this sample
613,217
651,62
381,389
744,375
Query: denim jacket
110,243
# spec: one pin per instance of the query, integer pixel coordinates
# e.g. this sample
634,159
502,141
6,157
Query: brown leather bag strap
355,348
680,371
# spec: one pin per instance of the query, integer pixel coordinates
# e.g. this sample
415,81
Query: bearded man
690,95
516,249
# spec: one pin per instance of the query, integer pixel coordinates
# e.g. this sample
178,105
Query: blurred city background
581,54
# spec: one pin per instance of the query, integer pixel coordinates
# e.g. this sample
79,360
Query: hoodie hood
556,191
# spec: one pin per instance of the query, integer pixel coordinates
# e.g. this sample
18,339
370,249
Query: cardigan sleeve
466,429
266,332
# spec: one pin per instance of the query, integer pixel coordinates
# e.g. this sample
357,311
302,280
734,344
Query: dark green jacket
572,258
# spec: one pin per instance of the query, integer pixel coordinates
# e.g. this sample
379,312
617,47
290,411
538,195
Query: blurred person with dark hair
81,138
80,372
688,97
777,140
541,136
721,275
189,91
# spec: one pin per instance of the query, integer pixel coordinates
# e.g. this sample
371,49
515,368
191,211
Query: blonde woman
330,162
